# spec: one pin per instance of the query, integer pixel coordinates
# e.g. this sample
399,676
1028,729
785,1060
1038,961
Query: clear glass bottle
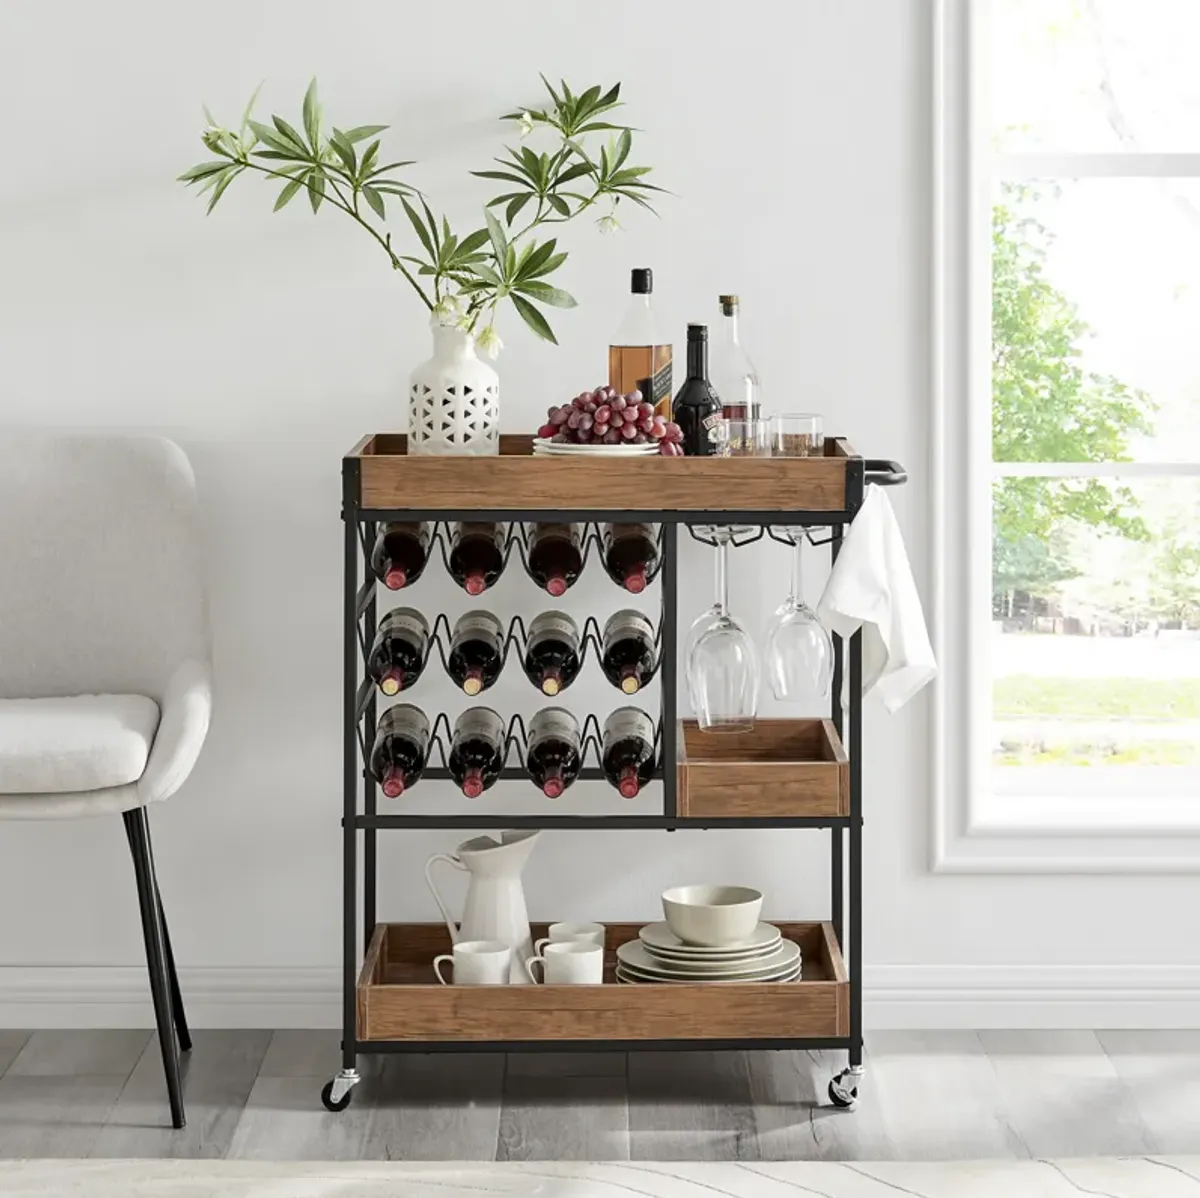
730,369
639,358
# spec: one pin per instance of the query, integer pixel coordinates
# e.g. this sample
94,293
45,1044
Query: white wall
796,137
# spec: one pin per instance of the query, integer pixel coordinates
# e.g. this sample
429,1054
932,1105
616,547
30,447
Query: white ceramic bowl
712,916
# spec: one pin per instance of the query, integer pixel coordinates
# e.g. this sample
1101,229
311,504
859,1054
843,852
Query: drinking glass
748,438
799,650
799,435
722,661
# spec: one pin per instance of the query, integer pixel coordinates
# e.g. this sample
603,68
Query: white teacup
566,933
568,963
476,963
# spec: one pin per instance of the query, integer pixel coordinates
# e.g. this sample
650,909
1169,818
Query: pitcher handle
437,898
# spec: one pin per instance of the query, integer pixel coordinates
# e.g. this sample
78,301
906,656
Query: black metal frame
359,604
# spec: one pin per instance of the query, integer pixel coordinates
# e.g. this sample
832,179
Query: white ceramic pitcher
495,905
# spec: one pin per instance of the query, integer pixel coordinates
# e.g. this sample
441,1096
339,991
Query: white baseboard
915,997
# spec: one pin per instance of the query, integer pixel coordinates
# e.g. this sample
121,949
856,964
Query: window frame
975,830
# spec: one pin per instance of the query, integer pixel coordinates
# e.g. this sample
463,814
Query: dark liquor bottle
401,553
401,748
697,408
631,555
627,753
554,756
627,651
400,650
476,651
552,659
555,556
477,750
638,358
476,556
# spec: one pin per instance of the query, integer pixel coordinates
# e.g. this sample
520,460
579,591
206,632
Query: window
1069,325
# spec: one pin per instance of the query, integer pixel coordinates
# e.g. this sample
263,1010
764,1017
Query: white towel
871,587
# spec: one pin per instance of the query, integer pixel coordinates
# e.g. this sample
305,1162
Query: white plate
634,956
544,446
626,978
660,936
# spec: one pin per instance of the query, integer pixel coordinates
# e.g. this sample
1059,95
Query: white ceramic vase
454,399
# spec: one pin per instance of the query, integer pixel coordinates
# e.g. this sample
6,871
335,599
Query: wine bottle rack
793,774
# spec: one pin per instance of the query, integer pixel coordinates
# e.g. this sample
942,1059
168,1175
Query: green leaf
599,126
389,166
289,190
250,108
545,294
611,96
316,188
369,156
586,101
630,175
575,171
515,206
419,226
362,132
376,201
548,267
503,176
447,248
510,262
269,137
212,120
472,242
535,258
487,274
553,93
496,233
433,229
288,134
534,319
218,191
345,151
624,144
312,115
559,204
203,170
393,189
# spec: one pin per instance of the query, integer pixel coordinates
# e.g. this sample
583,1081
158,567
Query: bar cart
799,773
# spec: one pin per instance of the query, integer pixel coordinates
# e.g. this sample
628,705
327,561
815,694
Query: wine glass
799,650
722,661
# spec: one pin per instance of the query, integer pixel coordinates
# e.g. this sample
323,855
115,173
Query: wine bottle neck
697,360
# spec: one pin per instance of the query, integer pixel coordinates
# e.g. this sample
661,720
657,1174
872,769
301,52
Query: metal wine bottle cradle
388,1005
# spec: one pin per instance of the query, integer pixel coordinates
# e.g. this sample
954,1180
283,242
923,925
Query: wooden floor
928,1095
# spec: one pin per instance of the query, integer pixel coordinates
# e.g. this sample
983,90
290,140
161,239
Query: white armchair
105,664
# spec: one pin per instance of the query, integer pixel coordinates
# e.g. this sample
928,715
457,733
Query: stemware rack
796,774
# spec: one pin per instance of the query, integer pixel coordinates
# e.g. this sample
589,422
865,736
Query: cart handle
884,473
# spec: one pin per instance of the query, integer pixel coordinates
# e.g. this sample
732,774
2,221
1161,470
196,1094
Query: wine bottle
476,556
400,650
639,359
476,651
698,410
552,659
631,555
627,753
553,758
627,651
555,556
401,553
477,750
731,370
401,748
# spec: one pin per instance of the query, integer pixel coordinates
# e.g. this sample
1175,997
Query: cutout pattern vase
454,399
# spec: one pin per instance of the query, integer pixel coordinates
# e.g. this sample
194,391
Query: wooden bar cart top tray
782,768
399,998
390,478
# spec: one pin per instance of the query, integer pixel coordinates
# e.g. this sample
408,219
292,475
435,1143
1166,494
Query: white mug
565,933
476,963
569,963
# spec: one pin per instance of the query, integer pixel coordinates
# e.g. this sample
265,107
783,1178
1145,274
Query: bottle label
474,623
556,625
627,624
644,368
482,722
403,719
628,723
405,620
553,723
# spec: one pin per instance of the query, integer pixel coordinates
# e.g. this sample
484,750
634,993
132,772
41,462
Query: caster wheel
840,1095
327,1098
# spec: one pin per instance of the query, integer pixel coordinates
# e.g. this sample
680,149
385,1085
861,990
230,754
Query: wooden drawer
399,999
782,768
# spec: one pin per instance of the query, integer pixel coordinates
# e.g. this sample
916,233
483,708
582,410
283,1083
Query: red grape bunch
602,417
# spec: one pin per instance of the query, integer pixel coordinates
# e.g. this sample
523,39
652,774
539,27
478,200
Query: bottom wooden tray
399,999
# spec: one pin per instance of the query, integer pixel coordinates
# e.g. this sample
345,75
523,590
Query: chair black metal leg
137,828
181,1027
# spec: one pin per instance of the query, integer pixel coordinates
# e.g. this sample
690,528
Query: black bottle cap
697,332
641,281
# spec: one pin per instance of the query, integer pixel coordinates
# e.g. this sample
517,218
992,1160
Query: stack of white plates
658,955
544,447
